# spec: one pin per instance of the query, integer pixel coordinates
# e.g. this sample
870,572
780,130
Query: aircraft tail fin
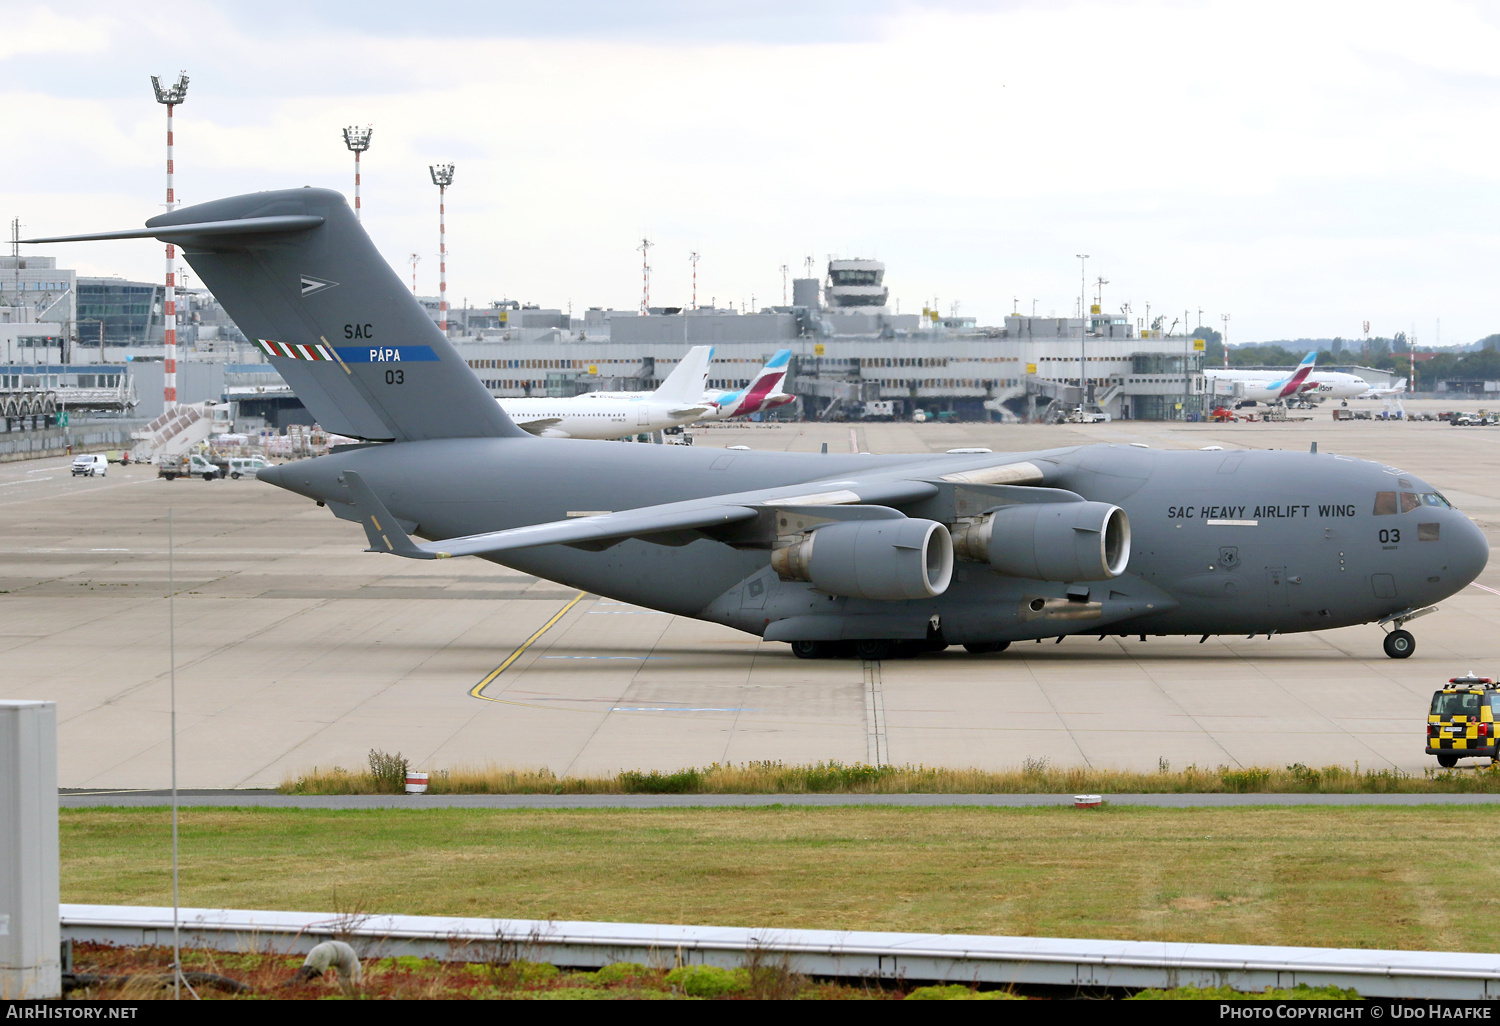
688,379
767,384
300,277
1294,384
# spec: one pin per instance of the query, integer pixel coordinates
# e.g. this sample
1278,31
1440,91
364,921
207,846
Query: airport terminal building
846,355
849,350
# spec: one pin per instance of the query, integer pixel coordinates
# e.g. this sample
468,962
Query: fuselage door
1276,593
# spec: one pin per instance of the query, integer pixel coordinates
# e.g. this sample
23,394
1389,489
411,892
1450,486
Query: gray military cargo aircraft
837,555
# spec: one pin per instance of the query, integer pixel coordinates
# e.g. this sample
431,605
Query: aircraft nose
1468,551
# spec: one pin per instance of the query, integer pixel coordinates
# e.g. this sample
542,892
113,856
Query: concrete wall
196,383
89,436
704,329
29,942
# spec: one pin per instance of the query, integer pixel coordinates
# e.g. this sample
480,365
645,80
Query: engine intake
871,559
1050,541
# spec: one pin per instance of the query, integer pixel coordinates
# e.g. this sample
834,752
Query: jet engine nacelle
872,559
1050,541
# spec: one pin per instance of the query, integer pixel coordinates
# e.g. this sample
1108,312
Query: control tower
856,283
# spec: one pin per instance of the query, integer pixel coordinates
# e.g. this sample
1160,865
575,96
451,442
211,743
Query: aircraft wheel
872,649
1400,644
1447,761
986,647
808,649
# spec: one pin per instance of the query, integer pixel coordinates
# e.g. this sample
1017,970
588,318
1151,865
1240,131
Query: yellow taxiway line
477,691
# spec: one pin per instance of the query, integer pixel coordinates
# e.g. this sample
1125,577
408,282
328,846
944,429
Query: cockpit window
1410,501
1434,499
1462,703
1385,504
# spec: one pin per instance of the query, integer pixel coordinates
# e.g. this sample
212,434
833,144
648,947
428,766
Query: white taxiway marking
29,480
633,658
624,708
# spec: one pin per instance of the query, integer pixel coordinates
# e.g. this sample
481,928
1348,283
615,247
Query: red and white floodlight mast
644,247
694,258
415,258
442,177
171,97
358,140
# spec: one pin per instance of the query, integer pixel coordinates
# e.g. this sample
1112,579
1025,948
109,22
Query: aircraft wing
386,535
538,425
690,411
842,498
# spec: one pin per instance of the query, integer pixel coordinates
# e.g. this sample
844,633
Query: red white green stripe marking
295,350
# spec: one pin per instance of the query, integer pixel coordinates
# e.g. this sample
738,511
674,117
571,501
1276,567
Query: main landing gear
873,649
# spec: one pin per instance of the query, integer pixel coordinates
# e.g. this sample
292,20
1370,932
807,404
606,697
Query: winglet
380,527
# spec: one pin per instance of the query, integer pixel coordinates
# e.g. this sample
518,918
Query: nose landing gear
1400,644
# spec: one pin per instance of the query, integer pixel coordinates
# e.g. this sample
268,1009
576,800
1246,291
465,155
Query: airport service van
245,466
92,465
1461,723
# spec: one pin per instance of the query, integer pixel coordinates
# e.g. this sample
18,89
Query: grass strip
386,774
1404,877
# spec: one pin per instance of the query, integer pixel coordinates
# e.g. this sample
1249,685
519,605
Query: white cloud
40,31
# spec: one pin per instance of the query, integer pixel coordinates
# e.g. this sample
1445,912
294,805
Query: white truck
191,465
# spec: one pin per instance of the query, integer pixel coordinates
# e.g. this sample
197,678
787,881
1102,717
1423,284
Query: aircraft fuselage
1223,542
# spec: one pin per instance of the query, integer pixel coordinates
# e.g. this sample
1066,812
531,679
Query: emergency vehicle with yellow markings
1461,723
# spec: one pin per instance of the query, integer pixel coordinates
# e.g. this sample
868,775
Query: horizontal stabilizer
201,230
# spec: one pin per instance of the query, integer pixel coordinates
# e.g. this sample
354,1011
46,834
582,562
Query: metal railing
847,954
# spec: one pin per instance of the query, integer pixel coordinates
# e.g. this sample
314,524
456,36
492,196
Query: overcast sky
1301,166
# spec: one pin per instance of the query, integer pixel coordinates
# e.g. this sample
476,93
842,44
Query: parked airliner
1265,386
678,400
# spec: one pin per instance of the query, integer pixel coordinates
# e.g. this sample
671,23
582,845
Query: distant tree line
1384,353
